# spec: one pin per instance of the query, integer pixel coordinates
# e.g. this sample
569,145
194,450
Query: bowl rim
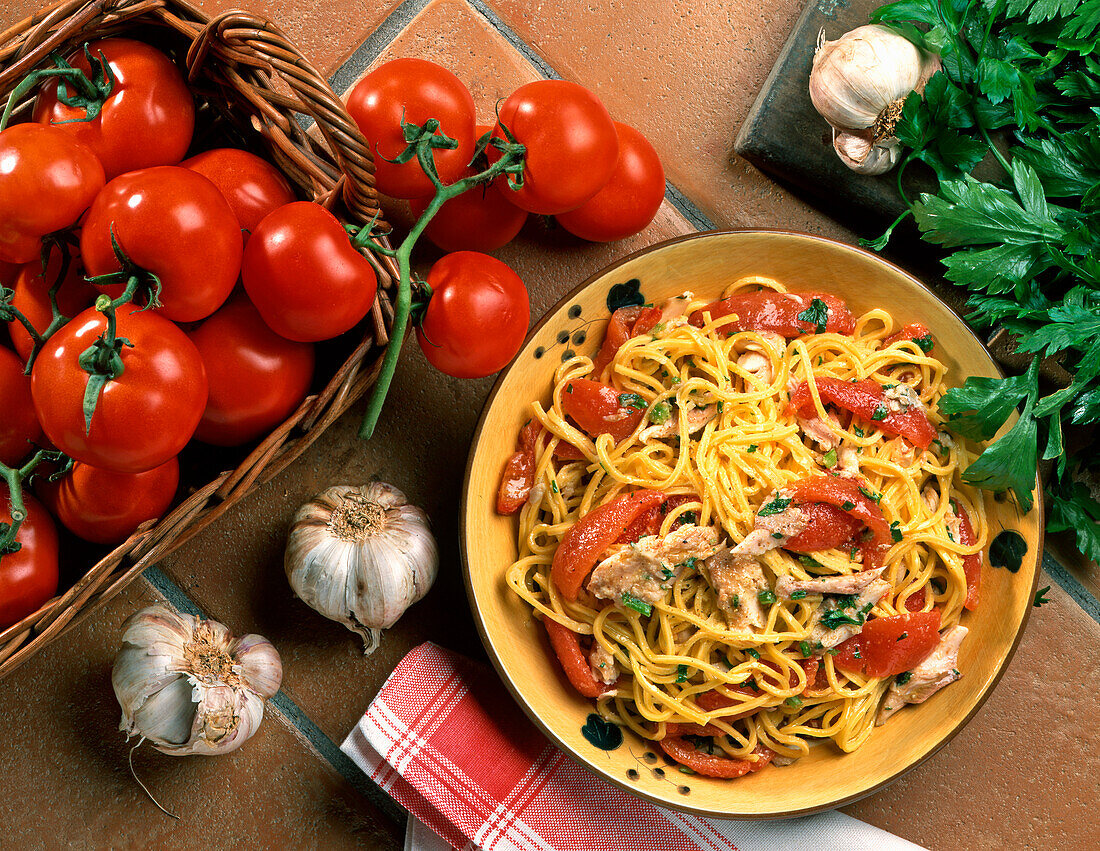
490,648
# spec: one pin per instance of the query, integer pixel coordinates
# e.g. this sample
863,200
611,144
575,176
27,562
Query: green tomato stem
511,155
71,75
14,478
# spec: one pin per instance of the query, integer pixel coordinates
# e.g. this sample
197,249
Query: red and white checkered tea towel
449,744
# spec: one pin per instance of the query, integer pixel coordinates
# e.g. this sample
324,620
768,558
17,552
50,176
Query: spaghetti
743,526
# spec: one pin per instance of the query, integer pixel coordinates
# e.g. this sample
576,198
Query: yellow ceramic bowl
516,642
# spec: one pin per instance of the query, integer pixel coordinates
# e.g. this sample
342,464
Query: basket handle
252,51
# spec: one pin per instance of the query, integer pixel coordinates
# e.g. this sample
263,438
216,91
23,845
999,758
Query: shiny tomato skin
47,180
256,377
19,429
413,90
31,297
597,409
105,507
29,576
173,222
768,310
147,120
144,416
889,646
298,243
629,200
477,317
252,186
571,144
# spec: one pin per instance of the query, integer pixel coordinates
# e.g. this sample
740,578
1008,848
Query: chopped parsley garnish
752,448
688,517
858,431
794,701
778,536
881,412
754,653
903,636
847,506
925,343
737,601
809,561
895,530
660,413
817,314
681,673
720,406
857,653
834,618
640,606
867,608
689,562
666,573
904,677
776,506
804,649
554,487
798,595
830,458
683,769
766,597
568,388
632,400
871,495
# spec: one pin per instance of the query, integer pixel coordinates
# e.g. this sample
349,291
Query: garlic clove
864,156
865,73
163,717
260,665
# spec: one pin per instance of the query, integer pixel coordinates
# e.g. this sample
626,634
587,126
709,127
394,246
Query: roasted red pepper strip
867,400
846,495
972,564
890,646
626,322
768,310
598,409
519,471
592,534
915,602
650,522
568,649
916,332
713,766
827,526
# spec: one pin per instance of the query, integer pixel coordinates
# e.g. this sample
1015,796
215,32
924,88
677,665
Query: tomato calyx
90,92
14,477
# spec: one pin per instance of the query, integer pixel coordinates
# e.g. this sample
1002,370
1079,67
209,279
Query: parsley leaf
640,606
776,506
817,314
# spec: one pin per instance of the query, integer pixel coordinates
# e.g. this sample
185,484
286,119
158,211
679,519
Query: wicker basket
243,68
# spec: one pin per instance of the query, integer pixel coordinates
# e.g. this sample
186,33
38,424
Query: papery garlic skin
864,156
188,685
859,83
361,556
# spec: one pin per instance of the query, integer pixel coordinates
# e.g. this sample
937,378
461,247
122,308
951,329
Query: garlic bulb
860,82
188,686
361,556
864,156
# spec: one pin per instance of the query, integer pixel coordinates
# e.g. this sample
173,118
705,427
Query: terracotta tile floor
1022,774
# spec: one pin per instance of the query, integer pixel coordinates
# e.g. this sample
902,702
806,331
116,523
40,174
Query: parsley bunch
1028,246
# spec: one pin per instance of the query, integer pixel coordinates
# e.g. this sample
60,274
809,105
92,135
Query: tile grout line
1072,586
295,717
361,58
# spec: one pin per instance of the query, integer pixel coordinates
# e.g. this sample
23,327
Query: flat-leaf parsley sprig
1026,247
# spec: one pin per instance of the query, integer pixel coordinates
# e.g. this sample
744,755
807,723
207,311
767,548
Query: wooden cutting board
784,136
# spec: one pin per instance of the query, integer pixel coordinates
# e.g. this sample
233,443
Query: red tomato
827,526
47,179
626,322
256,377
304,276
703,763
19,429
567,647
106,507
8,271
253,187
32,298
480,219
477,317
144,416
780,313
917,332
598,409
867,400
28,577
174,223
412,91
586,539
146,120
571,144
889,646
629,200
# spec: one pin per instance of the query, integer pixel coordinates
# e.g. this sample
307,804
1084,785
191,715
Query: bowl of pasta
715,532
